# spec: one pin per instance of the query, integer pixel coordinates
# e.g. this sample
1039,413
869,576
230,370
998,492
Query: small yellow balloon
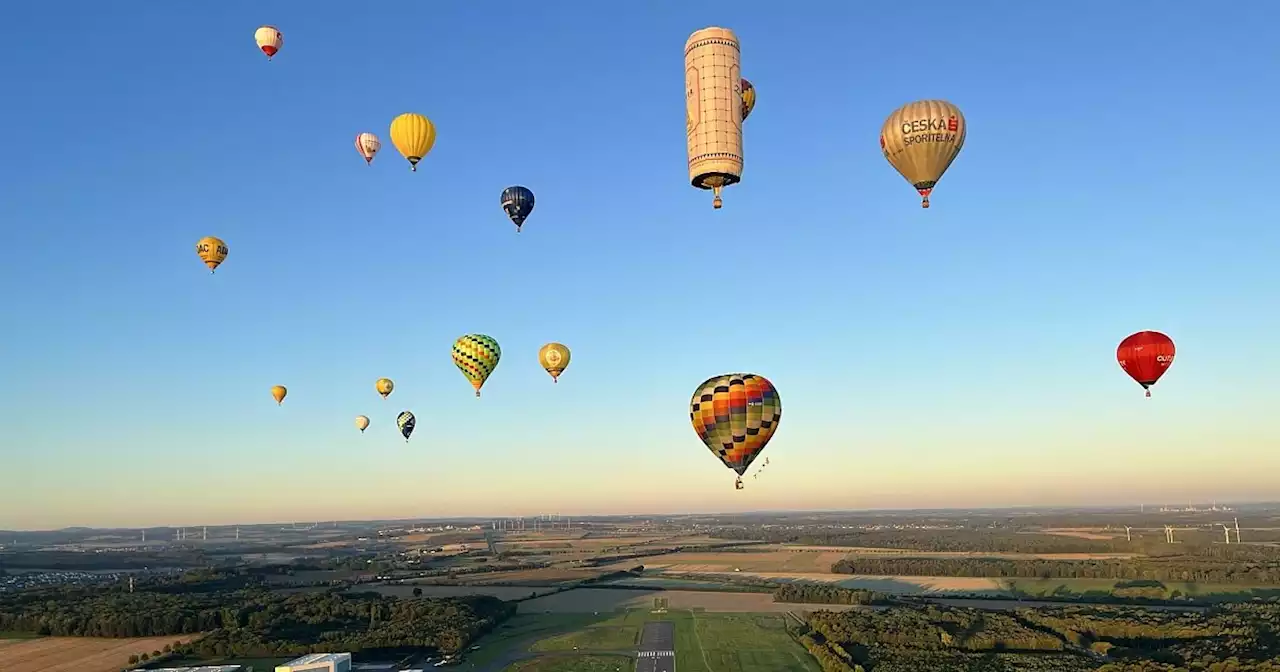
362,423
554,357
212,251
414,135
384,386
278,393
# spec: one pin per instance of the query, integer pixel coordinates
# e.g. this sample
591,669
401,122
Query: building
203,668
318,662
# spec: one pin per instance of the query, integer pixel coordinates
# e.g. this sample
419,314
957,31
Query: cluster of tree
1179,568
821,593
1119,639
255,621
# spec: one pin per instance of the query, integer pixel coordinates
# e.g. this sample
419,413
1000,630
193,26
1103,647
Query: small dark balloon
517,201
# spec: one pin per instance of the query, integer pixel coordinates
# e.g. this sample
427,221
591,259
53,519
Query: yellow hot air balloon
921,139
212,251
554,357
414,135
384,386
269,40
362,423
278,393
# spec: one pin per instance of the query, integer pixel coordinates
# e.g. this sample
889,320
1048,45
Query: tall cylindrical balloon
713,109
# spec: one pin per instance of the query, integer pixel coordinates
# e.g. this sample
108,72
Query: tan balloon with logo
713,109
921,139
554,357
212,251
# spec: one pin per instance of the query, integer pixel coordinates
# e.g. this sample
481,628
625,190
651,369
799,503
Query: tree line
820,593
1181,568
253,621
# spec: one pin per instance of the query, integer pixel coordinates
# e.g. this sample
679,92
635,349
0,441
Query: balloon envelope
476,356
1146,356
921,139
406,422
212,251
748,99
278,393
517,201
269,40
413,135
554,357
368,145
384,386
736,415
362,423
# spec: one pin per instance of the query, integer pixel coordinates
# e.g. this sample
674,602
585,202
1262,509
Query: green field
592,663
705,642
5,634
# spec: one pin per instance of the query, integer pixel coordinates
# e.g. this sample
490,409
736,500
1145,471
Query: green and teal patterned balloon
476,356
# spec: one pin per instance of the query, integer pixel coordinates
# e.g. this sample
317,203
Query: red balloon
1145,356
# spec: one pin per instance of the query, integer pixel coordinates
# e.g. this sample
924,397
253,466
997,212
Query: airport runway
657,648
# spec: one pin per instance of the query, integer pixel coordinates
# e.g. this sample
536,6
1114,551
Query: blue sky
1114,179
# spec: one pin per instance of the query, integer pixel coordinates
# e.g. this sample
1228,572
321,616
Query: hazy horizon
960,356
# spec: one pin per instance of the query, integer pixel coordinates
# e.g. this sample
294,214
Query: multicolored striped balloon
735,415
476,356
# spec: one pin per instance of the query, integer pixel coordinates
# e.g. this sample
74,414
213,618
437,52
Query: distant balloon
278,393
554,357
406,422
362,423
518,202
748,99
1145,356
384,386
476,356
212,251
735,415
413,135
269,40
368,145
921,139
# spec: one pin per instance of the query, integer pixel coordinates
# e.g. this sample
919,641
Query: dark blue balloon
518,202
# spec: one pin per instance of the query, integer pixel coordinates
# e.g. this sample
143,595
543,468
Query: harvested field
895,585
1081,533
589,600
79,654
692,563
500,592
845,551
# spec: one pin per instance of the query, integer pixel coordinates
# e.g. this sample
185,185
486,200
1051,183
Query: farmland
77,654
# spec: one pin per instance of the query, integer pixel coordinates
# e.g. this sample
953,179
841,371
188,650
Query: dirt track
77,654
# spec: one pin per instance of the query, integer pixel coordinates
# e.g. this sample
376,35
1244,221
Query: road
657,648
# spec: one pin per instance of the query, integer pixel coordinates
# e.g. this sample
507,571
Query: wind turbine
1168,533
1226,531
1127,537
1237,522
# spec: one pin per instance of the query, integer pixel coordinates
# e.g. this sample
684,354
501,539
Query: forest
1173,568
1236,638
822,593
243,618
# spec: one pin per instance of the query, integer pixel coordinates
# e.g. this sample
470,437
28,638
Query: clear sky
1115,178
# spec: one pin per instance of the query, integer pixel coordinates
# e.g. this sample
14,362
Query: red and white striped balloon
368,145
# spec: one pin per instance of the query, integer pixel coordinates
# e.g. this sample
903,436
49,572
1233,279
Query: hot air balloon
713,122
368,145
414,135
362,423
1145,356
278,393
748,99
384,386
212,251
518,202
921,139
476,356
735,415
406,422
269,40
554,357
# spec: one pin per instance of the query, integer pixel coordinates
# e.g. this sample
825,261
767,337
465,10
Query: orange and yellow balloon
384,386
554,357
413,135
736,415
212,251
278,392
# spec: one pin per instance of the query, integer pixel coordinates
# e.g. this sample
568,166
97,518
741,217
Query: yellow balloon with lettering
414,135
921,139
554,357
384,386
212,251
278,393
